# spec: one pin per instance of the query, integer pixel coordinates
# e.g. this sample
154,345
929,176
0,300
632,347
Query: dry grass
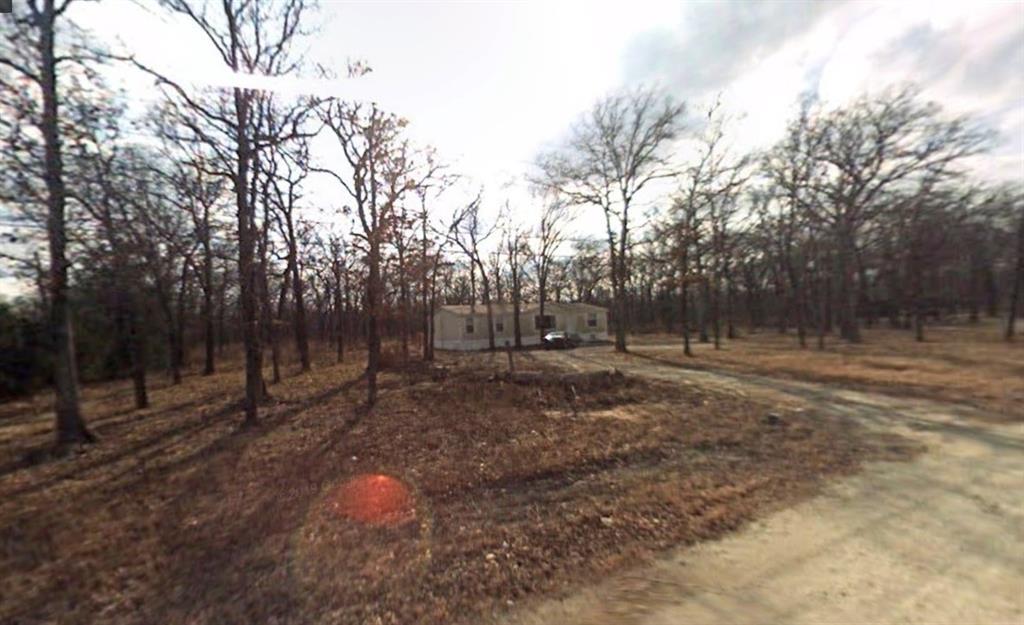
177,516
959,363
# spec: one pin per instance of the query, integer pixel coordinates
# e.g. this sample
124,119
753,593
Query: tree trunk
298,295
339,315
716,326
373,298
619,296
516,288
1015,297
974,290
705,296
209,365
1018,284
730,303
246,264
222,312
178,325
782,300
425,304
542,296
991,293
405,304
895,296
823,312
917,273
828,297
751,296
268,330
71,427
716,290
684,296
488,306
845,265
163,297
346,312
425,286
275,347
431,307
173,353
863,295
797,301
820,282
620,299
137,352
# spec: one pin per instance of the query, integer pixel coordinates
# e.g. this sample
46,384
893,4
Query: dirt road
936,540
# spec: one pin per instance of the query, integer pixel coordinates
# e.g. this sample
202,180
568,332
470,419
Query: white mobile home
464,327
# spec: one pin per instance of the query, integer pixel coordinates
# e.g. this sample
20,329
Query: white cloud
761,57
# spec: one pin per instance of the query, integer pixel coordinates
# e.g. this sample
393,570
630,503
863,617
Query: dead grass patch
179,517
958,363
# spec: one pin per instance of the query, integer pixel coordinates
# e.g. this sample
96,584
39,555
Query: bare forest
243,270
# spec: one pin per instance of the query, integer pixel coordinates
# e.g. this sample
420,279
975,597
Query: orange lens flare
374,499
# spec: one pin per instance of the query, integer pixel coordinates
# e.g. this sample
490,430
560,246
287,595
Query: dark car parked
558,340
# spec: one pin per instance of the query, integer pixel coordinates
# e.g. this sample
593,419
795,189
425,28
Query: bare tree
200,195
431,258
1018,273
789,167
118,243
31,84
163,236
340,272
550,234
516,244
382,169
612,154
863,152
403,237
250,38
587,270
700,218
287,170
496,268
367,138
468,232
924,223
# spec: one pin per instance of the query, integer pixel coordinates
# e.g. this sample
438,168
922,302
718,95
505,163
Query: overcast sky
489,84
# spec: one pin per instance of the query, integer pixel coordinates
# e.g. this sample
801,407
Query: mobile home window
499,325
469,325
591,320
543,322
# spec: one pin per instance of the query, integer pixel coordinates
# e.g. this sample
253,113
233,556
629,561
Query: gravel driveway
936,540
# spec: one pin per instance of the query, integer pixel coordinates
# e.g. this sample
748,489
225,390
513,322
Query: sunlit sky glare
489,84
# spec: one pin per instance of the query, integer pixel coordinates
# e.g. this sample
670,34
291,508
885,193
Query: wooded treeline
162,239
860,213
